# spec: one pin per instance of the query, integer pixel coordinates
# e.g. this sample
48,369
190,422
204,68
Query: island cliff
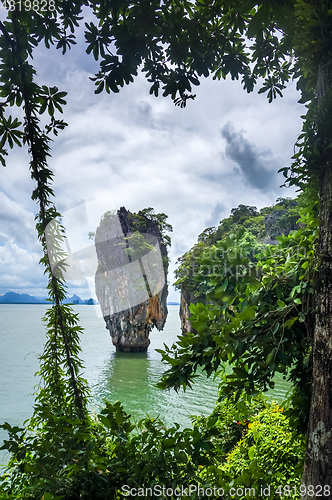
131,279
260,228
187,298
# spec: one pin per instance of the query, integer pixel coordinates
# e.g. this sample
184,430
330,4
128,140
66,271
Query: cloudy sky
134,150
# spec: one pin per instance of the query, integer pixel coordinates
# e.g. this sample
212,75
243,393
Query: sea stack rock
131,278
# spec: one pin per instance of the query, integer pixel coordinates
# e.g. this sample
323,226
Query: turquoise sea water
128,377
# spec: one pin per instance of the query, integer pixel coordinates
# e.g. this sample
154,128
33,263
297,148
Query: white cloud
17,223
19,270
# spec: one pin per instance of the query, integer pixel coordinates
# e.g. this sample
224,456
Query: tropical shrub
94,458
267,462
231,420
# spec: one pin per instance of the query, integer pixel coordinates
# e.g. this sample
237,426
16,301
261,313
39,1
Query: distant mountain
75,299
24,298
20,298
173,303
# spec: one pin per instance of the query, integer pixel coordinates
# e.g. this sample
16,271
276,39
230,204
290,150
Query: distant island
24,298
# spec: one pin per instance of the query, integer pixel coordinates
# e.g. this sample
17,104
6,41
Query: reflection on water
132,378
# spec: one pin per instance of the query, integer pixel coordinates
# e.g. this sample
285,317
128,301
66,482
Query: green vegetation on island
257,229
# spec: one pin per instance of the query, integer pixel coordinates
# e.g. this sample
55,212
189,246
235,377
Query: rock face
276,224
130,281
187,298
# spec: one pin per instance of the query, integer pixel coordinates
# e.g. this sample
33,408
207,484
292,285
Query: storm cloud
216,215
258,166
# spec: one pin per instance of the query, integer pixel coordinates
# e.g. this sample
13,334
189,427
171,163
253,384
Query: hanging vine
60,362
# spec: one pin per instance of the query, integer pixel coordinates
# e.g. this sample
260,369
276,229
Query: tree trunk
318,457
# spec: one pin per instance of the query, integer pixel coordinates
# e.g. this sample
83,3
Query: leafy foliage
269,456
231,420
249,224
63,390
94,459
258,318
142,217
175,43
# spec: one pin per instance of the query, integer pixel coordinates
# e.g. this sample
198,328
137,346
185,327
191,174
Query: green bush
267,457
93,459
231,422
244,444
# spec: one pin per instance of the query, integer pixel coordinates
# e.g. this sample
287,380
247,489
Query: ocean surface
128,377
